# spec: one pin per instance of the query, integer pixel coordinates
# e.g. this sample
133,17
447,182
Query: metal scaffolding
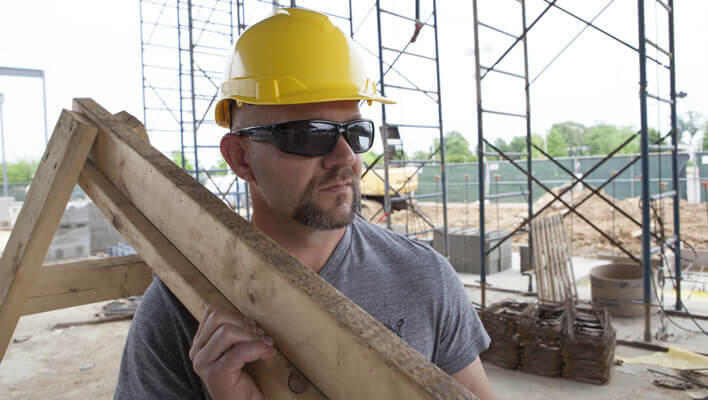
184,47
659,237
390,57
184,44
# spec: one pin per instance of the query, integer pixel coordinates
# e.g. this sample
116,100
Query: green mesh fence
503,177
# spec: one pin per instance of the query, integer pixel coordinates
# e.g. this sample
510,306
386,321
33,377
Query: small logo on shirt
395,326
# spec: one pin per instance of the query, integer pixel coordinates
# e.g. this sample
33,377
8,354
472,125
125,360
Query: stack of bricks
589,346
541,337
551,339
500,320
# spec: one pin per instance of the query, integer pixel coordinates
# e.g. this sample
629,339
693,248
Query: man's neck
309,246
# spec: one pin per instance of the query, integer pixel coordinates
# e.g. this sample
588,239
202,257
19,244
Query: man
290,101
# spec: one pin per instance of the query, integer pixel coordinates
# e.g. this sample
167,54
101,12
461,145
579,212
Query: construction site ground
83,361
586,241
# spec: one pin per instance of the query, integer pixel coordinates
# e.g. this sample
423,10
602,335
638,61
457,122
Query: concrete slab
513,279
626,382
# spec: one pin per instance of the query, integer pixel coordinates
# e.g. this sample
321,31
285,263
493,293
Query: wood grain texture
132,123
343,350
180,276
85,282
39,217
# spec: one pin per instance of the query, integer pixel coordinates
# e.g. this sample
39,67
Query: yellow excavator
403,181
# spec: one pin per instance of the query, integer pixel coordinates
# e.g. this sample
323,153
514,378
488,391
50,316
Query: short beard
311,215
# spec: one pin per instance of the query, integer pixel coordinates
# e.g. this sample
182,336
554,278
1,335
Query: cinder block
103,234
465,250
525,256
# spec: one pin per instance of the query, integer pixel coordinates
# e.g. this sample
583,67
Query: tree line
562,140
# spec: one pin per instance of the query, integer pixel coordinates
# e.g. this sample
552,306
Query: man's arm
475,380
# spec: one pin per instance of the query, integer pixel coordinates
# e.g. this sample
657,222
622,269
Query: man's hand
223,344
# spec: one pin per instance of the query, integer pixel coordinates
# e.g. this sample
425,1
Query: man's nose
341,156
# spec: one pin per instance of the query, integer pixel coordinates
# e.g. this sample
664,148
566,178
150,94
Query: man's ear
234,153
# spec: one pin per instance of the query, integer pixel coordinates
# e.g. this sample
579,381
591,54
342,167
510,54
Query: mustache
334,176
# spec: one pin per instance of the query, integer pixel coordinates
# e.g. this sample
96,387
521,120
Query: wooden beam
183,279
85,282
40,215
342,349
132,123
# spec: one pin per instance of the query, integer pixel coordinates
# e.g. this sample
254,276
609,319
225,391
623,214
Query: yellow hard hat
294,56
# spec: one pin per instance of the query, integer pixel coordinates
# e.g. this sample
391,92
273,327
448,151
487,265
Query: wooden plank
538,260
568,255
550,262
132,123
39,217
557,271
183,279
89,281
553,244
342,349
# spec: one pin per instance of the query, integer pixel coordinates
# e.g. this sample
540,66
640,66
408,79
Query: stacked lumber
500,320
541,338
589,345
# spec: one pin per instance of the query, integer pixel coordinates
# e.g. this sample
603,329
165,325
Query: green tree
518,144
573,133
556,146
370,157
177,159
221,166
420,155
457,148
601,139
705,138
21,171
654,137
502,145
538,141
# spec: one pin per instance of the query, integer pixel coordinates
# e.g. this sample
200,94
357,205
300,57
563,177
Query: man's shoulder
380,236
376,241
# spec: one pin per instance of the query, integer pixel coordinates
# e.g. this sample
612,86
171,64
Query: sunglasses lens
309,138
360,136
315,138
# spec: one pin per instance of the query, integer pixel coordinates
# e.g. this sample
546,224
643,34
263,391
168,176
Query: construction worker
291,103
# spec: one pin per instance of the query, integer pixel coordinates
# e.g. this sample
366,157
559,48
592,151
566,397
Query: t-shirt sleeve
462,337
155,363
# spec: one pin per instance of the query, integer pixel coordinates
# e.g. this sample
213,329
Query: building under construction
588,272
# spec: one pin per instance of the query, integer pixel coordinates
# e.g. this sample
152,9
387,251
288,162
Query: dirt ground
586,240
82,362
79,362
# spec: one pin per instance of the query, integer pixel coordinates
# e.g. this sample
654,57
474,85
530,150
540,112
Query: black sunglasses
312,137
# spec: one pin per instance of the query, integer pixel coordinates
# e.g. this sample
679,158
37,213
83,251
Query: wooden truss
205,253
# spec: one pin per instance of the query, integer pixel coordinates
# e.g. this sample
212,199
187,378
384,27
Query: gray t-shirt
404,284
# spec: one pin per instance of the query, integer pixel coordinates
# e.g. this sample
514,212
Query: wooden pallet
205,253
552,262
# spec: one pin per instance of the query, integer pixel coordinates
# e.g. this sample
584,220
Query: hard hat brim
222,109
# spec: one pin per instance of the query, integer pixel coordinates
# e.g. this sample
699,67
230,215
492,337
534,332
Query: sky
92,49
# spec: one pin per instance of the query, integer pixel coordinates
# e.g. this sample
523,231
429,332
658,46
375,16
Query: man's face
320,192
